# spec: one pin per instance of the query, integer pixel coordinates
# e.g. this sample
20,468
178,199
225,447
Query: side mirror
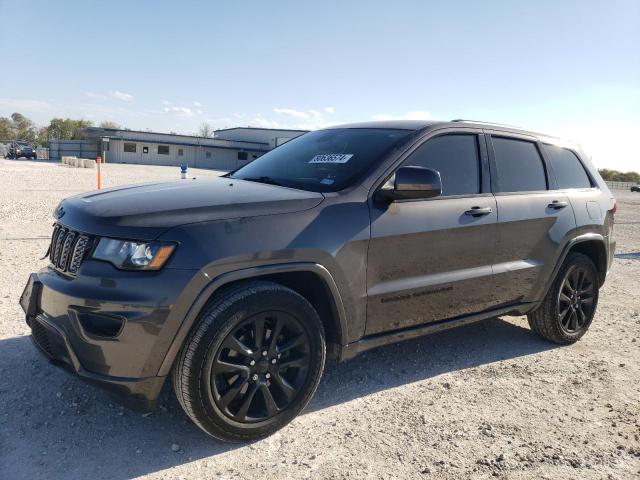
412,183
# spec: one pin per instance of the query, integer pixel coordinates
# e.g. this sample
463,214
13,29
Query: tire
570,304
220,367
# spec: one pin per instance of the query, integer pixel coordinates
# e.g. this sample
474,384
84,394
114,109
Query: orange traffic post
98,161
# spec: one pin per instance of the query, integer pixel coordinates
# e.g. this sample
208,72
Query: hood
145,211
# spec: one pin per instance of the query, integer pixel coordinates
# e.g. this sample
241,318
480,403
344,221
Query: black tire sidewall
219,324
576,260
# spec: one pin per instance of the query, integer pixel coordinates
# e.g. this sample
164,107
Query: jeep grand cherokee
338,241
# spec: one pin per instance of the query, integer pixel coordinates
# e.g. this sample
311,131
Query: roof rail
485,123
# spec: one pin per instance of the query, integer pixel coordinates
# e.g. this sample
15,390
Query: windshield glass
324,160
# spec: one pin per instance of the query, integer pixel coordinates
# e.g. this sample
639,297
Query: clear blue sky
571,68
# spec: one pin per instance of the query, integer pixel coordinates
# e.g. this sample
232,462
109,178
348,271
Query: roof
392,124
260,128
424,124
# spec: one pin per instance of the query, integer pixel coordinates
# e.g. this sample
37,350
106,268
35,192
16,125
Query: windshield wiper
263,179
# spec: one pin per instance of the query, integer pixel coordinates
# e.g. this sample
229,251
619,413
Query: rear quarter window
568,169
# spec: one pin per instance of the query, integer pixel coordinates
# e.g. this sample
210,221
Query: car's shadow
54,426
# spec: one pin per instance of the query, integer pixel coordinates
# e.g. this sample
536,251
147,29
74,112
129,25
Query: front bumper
136,393
124,361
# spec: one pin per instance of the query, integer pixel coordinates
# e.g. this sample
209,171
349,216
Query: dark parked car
18,149
635,188
336,242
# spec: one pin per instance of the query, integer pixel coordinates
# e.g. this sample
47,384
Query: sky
567,68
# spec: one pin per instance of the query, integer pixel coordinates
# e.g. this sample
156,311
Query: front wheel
252,362
570,304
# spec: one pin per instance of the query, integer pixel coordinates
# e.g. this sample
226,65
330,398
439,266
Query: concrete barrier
78,162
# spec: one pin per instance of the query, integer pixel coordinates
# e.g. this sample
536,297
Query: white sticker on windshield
331,158
327,181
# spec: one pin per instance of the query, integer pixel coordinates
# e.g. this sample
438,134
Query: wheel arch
596,250
593,245
311,280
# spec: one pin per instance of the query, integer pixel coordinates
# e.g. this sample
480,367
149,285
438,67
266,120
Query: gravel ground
486,400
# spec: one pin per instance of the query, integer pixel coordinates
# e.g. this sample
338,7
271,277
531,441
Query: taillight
614,206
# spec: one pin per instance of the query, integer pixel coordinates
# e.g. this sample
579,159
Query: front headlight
132,254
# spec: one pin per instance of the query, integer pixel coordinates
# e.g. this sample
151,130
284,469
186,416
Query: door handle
478,211
556,205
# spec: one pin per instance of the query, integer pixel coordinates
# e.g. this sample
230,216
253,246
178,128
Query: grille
68,249
41,337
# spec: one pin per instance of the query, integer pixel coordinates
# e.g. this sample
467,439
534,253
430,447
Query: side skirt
374,341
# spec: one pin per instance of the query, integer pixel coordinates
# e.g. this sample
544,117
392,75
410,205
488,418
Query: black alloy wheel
576,299
252,362
260,367
569,306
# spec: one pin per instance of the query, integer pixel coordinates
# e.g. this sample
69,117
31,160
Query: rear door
533,218
428,259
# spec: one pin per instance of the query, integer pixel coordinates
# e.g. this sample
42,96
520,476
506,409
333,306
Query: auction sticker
331,158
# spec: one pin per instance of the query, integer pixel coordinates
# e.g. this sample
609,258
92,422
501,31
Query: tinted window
456,158
130,147
242,155
567,168
324,160
520,168
163,149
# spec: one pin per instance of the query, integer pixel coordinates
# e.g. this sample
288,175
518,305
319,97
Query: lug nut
273,361
268,375
264,353
252,363
255,377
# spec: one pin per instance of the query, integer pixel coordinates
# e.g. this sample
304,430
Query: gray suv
339,241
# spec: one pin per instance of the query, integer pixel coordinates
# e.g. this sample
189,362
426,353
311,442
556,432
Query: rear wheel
570,304
252,363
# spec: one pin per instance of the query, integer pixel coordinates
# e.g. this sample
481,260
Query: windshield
324,160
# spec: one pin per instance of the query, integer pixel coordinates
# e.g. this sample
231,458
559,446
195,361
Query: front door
431,260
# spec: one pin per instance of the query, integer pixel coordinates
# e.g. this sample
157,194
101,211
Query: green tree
616,176
108,124
7,131
25,129
67,129
43,137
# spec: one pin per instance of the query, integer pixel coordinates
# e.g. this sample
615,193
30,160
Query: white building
227,150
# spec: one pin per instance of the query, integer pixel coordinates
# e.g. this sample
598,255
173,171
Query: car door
430,259
534,219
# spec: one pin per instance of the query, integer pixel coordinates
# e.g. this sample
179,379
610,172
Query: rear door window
519,165
456,158
567,168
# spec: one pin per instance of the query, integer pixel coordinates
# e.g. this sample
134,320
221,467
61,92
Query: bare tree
205,130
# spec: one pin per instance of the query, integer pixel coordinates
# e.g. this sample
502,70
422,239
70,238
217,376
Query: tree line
19,127
616,176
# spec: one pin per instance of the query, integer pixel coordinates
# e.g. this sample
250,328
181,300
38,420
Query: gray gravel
484,401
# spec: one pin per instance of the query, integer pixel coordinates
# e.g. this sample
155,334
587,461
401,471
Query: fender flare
245,274
587,237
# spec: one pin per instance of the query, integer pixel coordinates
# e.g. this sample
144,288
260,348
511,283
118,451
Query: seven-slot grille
68,249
